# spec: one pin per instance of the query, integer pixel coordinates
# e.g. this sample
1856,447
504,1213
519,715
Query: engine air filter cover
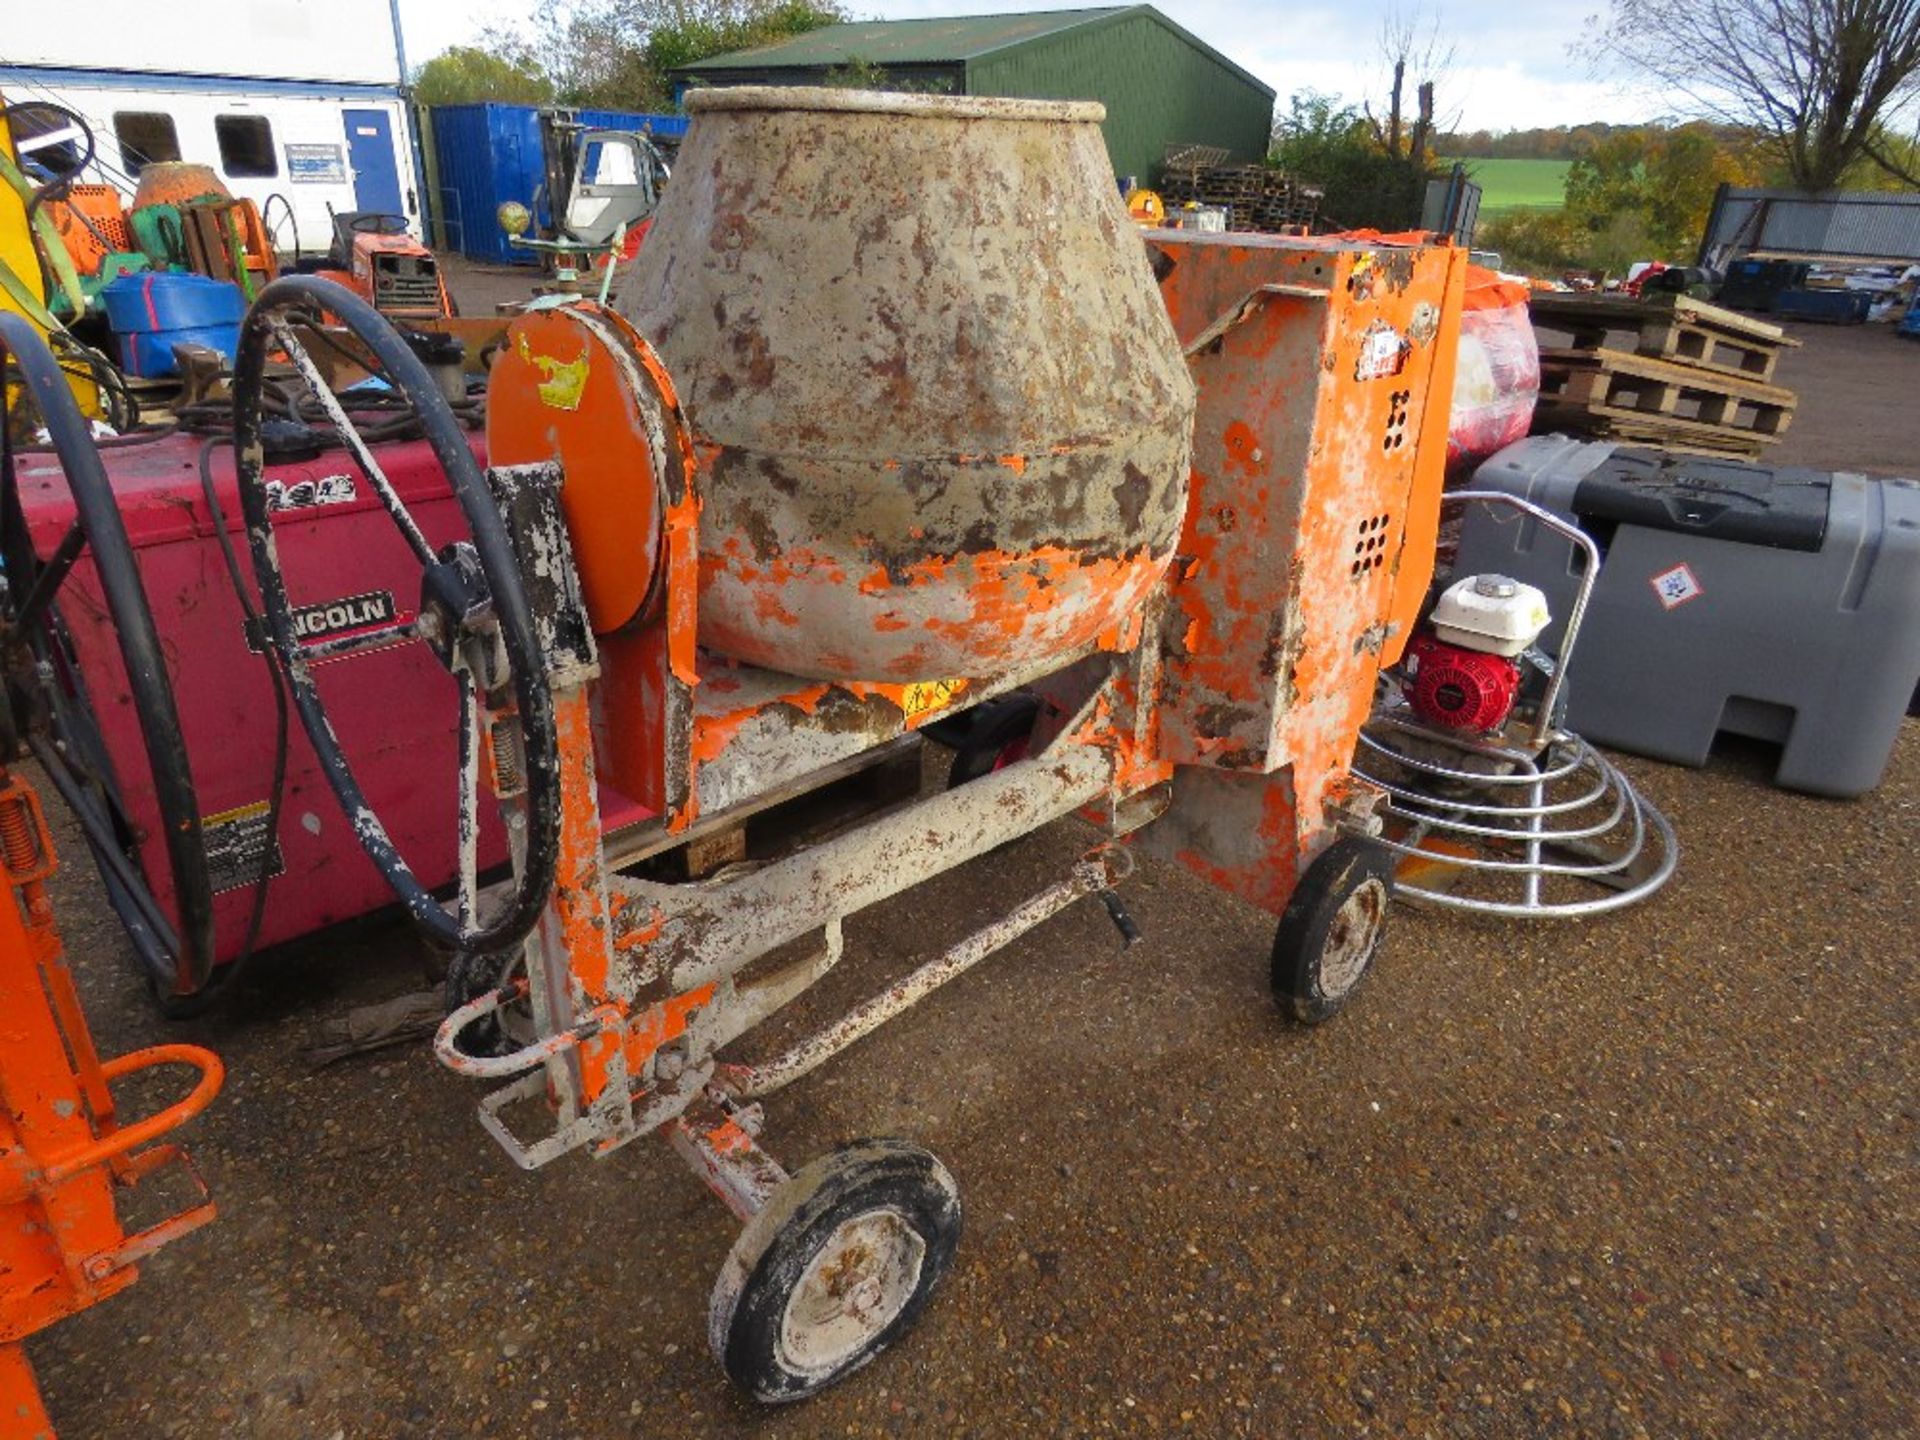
1491,613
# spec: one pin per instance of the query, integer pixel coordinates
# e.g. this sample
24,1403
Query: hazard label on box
1677,586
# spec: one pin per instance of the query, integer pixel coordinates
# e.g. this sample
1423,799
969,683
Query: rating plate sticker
237,842
1677,586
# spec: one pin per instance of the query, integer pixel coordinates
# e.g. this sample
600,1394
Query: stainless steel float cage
1531,806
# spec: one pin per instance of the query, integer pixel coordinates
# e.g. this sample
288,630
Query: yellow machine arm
21,286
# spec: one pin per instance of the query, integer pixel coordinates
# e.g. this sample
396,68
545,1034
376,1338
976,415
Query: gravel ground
1650,1175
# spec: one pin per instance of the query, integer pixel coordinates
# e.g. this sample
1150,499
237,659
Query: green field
1518,184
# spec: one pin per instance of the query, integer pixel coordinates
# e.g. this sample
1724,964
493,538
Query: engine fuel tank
943,421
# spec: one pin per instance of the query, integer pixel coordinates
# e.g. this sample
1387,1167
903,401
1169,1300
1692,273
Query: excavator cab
617,180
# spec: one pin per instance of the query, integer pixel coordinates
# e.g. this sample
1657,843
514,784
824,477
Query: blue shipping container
489,153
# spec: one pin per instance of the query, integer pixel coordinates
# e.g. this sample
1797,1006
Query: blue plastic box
152,313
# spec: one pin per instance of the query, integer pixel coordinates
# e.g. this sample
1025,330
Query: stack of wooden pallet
1682,375
1255,196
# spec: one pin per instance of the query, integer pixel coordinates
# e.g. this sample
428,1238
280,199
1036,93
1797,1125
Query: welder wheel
478,577
835,1268
1332,929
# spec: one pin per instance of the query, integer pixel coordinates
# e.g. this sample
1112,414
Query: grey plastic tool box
1777,603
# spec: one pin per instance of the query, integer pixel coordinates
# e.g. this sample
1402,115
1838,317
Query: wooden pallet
1675,328
1259,197
1673,439
1618,386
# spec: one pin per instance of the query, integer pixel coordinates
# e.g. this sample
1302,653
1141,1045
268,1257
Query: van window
45,137
246,145
146,137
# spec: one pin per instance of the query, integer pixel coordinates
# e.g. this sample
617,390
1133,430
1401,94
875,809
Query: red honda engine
1459,689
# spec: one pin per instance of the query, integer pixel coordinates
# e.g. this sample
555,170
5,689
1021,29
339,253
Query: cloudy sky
1505,75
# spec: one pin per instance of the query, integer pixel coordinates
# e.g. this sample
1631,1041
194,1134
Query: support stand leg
718,1144
22,1412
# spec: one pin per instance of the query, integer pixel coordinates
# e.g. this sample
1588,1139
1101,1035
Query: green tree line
1644,193
610,54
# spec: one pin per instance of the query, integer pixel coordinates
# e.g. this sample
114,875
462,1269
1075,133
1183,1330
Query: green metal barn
1160,84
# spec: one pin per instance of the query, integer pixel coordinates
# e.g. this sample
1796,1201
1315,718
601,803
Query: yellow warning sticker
923,697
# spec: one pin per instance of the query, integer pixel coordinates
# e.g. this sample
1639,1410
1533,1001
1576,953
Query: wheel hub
853,1288
1352,937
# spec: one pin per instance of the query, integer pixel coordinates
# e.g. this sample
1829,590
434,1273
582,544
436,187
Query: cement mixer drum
943,421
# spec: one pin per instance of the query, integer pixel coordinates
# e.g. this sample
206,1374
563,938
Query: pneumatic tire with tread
1332,929
871,1229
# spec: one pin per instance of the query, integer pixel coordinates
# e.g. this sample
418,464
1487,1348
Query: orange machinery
820,479
375,255
66,1152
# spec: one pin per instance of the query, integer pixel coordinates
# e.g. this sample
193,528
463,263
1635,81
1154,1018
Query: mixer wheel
1332,929
835,1267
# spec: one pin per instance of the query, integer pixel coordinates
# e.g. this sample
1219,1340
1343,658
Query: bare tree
1412,47
1822,80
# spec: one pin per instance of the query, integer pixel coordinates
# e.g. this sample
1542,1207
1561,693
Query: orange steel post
64,1153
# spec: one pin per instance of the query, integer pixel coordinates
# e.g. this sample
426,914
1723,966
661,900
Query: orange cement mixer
898,419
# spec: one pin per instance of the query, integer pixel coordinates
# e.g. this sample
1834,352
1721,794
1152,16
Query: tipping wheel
1332,929
473,614
54,142
834,1268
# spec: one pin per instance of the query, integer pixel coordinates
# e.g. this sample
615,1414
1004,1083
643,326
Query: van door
376,172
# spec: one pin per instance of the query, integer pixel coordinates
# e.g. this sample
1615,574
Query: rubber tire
1299,944
766,1262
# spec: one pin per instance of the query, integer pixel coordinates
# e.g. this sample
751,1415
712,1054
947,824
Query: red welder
388,704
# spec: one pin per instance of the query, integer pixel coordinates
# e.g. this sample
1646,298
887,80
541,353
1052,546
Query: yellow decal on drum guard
566,379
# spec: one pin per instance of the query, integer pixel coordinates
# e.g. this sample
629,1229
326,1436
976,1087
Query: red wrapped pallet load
1497,378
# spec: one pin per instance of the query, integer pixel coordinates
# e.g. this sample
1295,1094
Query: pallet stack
1682,375
1255,196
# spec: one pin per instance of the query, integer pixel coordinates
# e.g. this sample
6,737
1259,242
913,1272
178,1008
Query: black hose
127,891
139,643
277,793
